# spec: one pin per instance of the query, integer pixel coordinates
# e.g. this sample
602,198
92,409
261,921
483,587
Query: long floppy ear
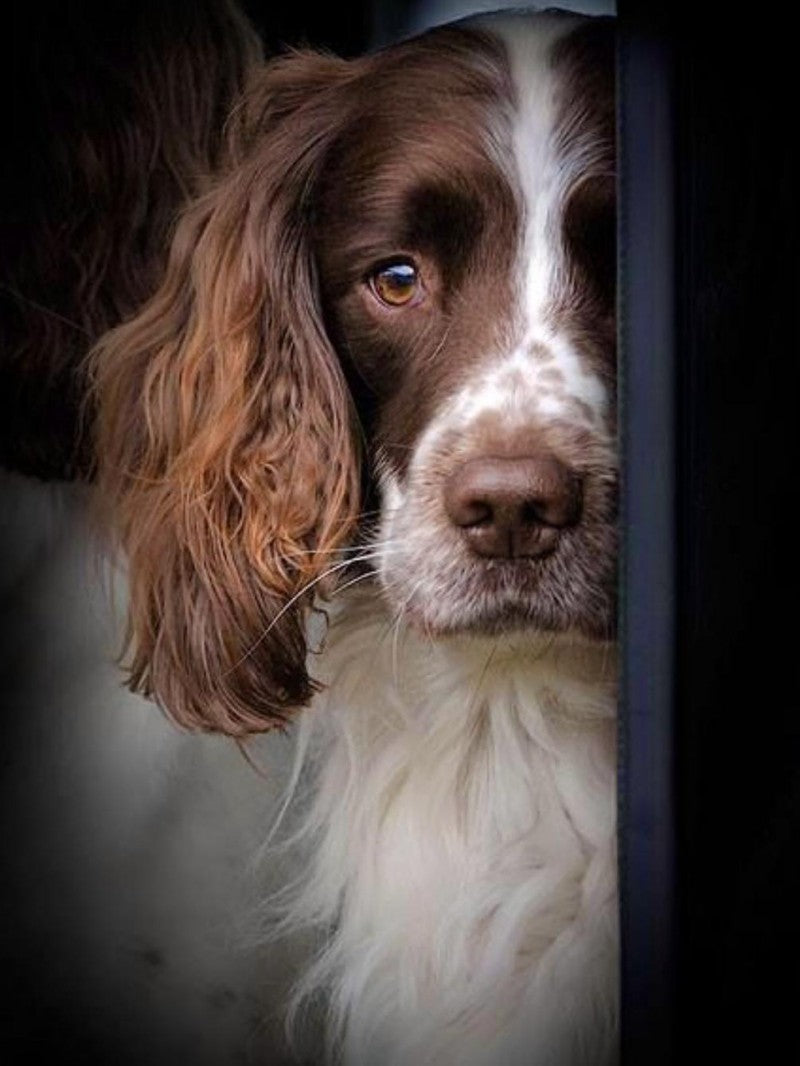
224,436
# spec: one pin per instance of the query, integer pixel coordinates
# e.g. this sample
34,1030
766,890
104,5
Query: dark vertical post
647,391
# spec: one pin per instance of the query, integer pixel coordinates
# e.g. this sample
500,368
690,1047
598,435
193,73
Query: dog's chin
484,611
522,622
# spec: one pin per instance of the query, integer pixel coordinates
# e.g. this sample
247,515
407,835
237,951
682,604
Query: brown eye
396,284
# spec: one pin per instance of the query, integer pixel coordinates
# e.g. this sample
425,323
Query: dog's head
400,291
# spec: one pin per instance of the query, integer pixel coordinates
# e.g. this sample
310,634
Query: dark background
738,728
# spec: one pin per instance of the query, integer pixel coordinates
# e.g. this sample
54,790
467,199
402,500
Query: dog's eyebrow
443,220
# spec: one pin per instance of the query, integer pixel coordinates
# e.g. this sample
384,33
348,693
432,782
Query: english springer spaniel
359,451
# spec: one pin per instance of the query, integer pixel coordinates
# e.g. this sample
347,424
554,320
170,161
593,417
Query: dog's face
404,280
465,239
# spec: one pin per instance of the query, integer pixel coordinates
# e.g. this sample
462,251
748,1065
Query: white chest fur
461,836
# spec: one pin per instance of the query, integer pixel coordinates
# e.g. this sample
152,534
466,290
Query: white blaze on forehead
539,173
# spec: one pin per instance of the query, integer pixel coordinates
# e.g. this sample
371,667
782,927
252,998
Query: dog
400,291
358,451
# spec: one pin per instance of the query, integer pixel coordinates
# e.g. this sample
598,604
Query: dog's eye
396,284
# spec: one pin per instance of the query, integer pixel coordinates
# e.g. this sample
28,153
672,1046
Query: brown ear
225,440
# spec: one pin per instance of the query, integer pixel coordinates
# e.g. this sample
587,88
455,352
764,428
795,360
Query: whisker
353,581
306,588
348,548
442,342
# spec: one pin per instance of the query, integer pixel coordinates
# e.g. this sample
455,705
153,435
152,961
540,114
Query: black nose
512,507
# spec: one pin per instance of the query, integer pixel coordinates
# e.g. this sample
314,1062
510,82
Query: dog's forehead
424,107
536,61
525,94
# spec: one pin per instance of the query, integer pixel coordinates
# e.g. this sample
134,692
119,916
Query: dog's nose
509,508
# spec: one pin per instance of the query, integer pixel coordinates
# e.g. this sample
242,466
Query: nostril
559,499
530,511
472,512
511,507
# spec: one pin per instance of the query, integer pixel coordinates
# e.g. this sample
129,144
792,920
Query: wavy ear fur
225,437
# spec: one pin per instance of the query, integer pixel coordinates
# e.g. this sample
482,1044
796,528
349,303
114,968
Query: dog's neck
463,827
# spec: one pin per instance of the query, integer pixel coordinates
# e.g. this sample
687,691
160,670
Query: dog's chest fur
462,849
